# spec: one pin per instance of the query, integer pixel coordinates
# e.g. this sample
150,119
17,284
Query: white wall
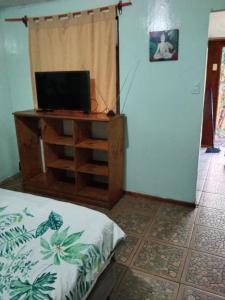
217,25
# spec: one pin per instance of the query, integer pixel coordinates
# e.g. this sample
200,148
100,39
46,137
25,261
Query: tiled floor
172,252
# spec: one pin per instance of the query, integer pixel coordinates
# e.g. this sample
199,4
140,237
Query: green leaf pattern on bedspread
38,290
20,276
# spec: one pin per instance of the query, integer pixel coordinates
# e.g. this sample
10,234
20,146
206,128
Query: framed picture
164,45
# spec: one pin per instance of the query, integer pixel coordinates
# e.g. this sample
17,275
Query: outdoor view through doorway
220,117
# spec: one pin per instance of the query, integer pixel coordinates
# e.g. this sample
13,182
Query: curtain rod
25,19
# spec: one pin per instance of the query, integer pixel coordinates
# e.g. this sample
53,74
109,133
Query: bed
52,250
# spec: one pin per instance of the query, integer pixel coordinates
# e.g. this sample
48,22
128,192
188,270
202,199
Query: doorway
220,116
211,171
213,129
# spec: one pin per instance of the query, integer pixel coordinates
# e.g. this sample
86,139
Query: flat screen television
69,90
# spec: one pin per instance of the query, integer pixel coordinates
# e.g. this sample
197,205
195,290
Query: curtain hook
25,20
120,7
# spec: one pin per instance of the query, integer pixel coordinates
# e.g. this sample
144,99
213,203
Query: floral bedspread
51,249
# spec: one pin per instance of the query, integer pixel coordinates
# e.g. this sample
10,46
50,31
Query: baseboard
163,200
149,197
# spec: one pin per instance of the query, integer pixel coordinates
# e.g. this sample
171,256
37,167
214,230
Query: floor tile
198,197
119,272
160,259
140,286
213,200
205,271
125,252
202,173
214,185
216,173
142,205
190,293
204,160
203,169
97,208
208,240
119,269
132,222
211,217
202,150
200,184
14,183
176,213
217,166
216,170
18,187
13,188
171,232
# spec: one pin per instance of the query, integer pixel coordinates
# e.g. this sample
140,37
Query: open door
212,82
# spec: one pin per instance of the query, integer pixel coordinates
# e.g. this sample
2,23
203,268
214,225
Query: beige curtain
79,42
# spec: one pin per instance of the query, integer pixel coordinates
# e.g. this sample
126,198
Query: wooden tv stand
68,166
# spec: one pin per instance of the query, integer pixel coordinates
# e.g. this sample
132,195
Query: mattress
50,249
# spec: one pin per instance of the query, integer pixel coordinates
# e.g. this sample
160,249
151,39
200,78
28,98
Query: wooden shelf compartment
28,136
99,130
44,183
58,132
94,192
93,187
63,187
62,164
60,140
91,161
61,175
89,136
93,144
59,157
62,181
95,168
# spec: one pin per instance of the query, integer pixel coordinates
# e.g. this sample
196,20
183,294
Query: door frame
207,134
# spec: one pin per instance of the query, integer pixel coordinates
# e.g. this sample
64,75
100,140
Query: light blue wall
164,117
8,149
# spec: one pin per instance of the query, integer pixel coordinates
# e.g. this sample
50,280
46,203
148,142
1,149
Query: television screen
63,90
